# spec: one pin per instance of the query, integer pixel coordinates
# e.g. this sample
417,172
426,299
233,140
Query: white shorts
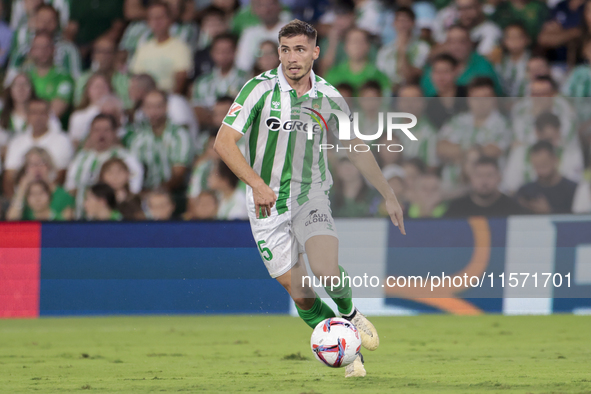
280,239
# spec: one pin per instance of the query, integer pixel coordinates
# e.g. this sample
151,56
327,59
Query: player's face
297,55
485,180
102,135
155,108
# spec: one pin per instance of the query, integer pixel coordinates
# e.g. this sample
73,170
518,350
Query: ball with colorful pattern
335,342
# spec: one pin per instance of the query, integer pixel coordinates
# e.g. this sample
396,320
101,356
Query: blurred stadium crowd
110,107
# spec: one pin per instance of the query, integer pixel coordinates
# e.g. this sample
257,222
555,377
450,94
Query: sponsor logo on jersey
315,217
234,109
273,123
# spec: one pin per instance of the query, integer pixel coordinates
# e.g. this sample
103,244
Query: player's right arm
226,146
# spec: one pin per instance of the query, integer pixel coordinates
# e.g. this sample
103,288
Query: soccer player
288,181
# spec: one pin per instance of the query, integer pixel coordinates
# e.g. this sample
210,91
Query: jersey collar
286,87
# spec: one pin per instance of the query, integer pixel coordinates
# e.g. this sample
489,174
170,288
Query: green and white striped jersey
139,32
523,120
211,86
425,148
513,75
160,154
272,118
84,172
461,130
578,84
66,55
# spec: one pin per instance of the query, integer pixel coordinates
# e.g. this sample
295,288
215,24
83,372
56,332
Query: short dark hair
159,3
345,85
481,82
445,57
547,119
406,10
297,28
225,36
371,84
487,161
212,10
106,117
547,78
106,193
226,173
516,26
541,146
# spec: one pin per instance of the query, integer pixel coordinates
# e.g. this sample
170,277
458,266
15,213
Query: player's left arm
369,168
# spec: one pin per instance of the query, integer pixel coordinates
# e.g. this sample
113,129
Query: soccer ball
335,342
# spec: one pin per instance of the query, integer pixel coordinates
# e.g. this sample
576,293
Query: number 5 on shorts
265,252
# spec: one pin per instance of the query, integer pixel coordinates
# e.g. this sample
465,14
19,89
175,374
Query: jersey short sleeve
338,102
247,105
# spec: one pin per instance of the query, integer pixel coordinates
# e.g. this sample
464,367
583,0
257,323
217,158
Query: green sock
342,295
319,312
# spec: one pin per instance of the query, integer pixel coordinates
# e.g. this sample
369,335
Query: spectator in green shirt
358,69
39,168
470,63
49,82
101,204
531,14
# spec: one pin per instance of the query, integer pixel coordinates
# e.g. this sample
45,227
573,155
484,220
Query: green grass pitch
271,354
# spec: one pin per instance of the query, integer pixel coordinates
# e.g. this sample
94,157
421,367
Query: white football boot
356,368
368,333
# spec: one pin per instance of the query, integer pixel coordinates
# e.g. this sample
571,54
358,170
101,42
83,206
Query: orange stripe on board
446,297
